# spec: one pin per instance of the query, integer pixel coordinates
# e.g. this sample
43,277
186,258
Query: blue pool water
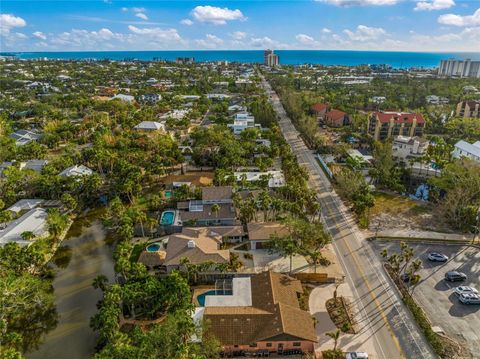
201,297
153,247
168,194
168,217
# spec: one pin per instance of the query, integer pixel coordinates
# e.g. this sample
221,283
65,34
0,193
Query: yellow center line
364,277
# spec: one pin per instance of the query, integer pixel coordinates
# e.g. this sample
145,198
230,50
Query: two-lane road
381,312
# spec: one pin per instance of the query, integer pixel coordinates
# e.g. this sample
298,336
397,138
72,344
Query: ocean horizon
396,59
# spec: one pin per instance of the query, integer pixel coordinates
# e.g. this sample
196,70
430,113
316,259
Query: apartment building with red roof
383,125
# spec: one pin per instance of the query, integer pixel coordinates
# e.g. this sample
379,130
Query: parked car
463,289
405,277
469,298
437,257
454,276
356,355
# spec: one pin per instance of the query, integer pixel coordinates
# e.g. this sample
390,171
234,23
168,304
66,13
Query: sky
105,25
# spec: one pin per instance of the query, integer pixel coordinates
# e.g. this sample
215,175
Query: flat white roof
241,297
32,221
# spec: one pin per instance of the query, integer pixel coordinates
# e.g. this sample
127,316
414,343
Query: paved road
380,309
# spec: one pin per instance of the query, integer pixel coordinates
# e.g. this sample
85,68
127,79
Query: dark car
454,276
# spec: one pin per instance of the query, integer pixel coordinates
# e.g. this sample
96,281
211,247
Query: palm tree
27,235
215,209
335,336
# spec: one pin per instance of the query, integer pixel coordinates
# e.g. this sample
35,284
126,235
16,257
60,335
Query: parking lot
435,295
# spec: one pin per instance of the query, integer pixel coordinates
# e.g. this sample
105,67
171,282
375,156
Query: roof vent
191,243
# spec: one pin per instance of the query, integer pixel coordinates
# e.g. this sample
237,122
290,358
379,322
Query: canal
83,255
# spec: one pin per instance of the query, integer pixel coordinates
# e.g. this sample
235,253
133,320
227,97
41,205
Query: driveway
435,295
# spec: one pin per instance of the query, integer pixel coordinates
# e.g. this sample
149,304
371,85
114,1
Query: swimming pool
168,218
168,194
154,247
201,297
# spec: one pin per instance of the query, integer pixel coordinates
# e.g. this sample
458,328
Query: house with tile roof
330,116
261,315
383,125
260,233
199,245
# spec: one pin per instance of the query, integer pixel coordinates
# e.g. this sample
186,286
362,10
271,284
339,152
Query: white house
436,100
23,137
33,221
405,148
126,98
149,126
76,171
241,122
275,178
465,149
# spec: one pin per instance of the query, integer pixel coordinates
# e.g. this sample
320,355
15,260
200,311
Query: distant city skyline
103,25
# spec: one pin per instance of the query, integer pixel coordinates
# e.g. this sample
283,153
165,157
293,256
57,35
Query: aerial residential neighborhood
199,182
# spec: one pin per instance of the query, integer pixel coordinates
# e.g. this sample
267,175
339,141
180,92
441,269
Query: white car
463,289
437,257
469,298
356,355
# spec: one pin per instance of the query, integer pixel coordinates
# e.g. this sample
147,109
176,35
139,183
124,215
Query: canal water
83,255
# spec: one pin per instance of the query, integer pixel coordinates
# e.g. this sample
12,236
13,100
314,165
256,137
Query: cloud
141,15
124,9
326,31
458,20
186,22
9,21
238,35
39,35
434,5
210,42
345,3
157,33
365,33
307,40
216,15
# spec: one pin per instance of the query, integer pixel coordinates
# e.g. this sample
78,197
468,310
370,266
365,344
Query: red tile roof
319,107
399,117
335,115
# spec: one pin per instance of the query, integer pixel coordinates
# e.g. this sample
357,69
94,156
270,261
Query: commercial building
386,124
469,150
468,109
459,68
259,315
270,59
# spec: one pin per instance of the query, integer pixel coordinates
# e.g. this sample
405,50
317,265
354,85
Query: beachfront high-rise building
270,59
459,68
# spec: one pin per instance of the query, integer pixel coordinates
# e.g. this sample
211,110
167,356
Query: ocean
289,57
